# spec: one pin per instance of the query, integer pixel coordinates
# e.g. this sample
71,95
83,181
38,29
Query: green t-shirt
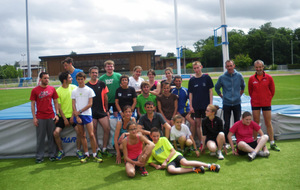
65,100
162,150
141,100
112,83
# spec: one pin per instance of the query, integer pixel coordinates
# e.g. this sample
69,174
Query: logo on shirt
204,84
119,94
196,85
159,150
109,81
129,94
43,94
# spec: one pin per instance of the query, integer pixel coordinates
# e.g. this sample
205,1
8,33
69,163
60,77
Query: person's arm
229,136
147,150
195,146
250,86
156,166
242,85
143,131
56,109
118,107
117,133
160,110
133,104
35,121
75,112
210,96
165,163
66,122
191,103
218,87
175,145
272,86
175,108
106,104
260,132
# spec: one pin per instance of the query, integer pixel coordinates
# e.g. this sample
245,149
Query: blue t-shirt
183,99
199,87
73,75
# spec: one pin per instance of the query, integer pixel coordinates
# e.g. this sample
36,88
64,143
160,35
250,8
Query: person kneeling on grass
243,131
181,133
134,155
165,154
213,132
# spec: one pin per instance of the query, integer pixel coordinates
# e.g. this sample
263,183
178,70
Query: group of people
162,109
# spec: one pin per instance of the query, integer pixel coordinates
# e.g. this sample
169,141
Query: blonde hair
197,63
214,108
109,62
169,69
137,67
177,117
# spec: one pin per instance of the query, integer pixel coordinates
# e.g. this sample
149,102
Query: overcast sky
57,27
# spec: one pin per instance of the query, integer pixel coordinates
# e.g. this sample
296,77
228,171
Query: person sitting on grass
213,132
135,155
180,133
168,158
243,131
121,131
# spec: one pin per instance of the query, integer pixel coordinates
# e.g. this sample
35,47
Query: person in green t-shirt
144,97
65,113
112,81
165,154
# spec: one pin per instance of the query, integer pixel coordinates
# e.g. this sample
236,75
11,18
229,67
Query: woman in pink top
134,154
243,131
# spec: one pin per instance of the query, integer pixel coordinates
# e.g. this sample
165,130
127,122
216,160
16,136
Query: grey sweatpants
46,126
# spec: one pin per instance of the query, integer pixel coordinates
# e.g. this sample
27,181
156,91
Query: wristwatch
80,111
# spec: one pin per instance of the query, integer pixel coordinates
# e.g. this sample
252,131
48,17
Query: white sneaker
263,154
227,146
212,154
251,155
220,155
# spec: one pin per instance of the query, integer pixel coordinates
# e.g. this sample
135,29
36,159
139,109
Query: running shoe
60,155
97,159
199,170
99,154
38,161
52,159
215,167
106,153
79,155
84,159
275,147
251,155
220,155
263,154
143,171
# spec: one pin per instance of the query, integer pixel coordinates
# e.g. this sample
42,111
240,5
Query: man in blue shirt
68,65
233,85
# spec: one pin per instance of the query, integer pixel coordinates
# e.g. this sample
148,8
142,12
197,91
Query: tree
170,54
9,72
17,64
242,61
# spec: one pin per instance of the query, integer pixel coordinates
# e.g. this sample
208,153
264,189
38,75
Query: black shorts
99,115
252,145
211,139
184,114
114,107
176,162
200,113
61,123
268,108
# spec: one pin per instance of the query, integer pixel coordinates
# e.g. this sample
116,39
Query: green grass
279,171
14,97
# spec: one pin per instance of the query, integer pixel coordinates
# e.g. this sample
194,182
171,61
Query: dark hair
94,67
178,116
246,114
130,123
126,107
151,71
177,77
165,83
149,103
123,77
42,74
67,60
81,74
144,83
63,76
154,129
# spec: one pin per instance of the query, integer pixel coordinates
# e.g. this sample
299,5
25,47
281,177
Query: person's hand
66,122
35,122
192,110
225,149
197,153
164,164
158,167
141,164
78,119
118,158
234,152
71,120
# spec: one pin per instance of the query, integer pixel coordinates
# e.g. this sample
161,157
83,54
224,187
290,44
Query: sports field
279,171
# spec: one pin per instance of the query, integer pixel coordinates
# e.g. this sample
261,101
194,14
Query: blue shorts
86,119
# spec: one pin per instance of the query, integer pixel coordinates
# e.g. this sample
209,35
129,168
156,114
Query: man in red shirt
44,118
261,90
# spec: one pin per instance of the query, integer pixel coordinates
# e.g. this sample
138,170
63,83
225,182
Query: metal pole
177,46
184,65
27,38
225,49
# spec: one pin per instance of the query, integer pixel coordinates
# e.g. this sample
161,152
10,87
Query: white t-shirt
135,84
82,96
175,134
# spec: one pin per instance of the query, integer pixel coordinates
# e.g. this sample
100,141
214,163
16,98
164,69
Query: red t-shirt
244,132
43,98
134,150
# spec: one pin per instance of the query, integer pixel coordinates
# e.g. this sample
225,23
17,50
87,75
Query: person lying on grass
243,131
167,157
135,155
180,133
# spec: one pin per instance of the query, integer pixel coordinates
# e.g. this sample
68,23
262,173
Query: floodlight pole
27,38
225,49
177,46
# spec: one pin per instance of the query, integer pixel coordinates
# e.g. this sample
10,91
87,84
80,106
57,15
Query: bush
272,67
294,66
